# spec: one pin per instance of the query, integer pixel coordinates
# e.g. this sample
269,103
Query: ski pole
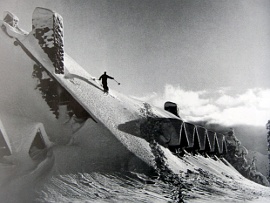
117,82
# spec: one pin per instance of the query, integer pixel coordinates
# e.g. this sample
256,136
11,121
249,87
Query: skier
104,78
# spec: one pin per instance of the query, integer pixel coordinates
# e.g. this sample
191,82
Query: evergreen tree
236,155
268,139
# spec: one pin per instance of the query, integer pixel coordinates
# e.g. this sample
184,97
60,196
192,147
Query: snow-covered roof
183,140
211,136
189,131
10,18
175,139
4,137
87,93
221,143
201,132
197,145
21,133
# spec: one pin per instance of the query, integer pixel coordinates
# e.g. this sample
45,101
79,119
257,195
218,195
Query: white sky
218,50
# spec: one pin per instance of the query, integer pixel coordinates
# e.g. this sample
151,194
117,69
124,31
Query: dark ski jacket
104,78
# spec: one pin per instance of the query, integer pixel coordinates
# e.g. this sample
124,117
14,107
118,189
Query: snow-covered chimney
11,19
47,27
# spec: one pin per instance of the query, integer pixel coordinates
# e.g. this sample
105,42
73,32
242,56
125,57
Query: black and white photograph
134,101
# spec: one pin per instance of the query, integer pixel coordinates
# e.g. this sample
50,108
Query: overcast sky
212,57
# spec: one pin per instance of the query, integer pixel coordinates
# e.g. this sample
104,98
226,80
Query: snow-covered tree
268,139
237,157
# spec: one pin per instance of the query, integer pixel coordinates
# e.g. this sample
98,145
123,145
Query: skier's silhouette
104,78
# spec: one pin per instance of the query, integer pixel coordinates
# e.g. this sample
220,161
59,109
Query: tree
268,139
237,157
